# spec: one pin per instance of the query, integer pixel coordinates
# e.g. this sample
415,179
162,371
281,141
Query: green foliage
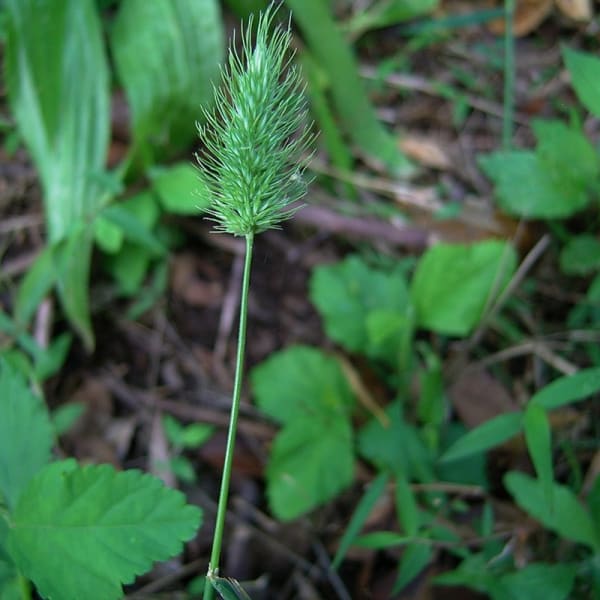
329,49
580,255
76,531
26,435
166,54
312,457
565,514
559,393
584,69
454,283
541,183
385,13
58,91
247,166
538,581
354,298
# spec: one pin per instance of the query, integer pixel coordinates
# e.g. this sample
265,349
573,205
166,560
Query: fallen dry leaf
529,14
426,151
478,397
578,10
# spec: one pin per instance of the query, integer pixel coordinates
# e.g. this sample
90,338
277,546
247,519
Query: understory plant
424,461
75,531
252,142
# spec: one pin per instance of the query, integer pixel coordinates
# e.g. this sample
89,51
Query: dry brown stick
134,398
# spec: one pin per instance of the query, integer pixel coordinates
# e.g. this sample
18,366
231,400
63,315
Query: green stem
213,565
24,588
509,75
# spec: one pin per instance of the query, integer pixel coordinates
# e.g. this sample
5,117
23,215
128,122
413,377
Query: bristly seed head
255,133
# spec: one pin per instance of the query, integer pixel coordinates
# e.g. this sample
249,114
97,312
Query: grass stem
213,566
509,75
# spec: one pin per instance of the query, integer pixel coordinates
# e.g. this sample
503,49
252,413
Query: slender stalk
213,565
509,75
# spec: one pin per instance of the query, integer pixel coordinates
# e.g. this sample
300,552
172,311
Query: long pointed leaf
58,88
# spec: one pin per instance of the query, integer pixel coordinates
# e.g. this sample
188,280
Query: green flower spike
249,137
251,141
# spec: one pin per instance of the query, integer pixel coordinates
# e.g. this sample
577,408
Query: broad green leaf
129,267
580,255
72,259
26,434
566,516
540,581
136,217
350,293
35,285
332,52
10,588
312,457
181,190
167,54
81,532
487,435
538,436
544,184
453,284
396,447
569,389
58,88
311,461
108,235
584,69
360,515
415,558
300,384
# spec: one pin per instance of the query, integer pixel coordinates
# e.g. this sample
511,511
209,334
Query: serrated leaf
551,182
26,434
167,53
359,516
81,532
349,294
580,255
566,516
487,435
181,190
584,69
453,283
59,93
